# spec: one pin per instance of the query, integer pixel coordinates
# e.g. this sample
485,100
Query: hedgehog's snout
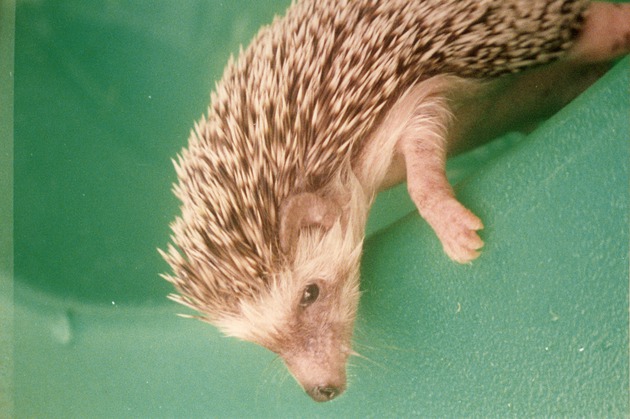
325,393
323,387
323,380
321,375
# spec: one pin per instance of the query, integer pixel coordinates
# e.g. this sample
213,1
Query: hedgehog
328,105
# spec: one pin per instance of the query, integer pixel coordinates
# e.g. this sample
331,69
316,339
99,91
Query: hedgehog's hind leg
423,144
606,33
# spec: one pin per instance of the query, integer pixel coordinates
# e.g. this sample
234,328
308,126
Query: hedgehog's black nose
324,393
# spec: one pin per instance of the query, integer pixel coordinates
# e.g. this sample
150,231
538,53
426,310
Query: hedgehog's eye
311,292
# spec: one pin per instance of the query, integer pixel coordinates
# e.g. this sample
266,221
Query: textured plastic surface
105,94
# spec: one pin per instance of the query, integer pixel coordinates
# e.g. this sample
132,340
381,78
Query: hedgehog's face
320,289
319,295
322,240
307,314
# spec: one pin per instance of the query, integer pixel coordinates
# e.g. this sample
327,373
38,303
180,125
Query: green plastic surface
105,93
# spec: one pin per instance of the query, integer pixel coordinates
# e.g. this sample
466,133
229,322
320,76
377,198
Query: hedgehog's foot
456,227
423,145
454,224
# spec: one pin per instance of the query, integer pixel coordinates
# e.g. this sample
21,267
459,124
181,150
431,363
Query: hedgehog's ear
302,211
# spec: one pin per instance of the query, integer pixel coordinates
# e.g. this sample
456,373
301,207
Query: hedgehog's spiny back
299,101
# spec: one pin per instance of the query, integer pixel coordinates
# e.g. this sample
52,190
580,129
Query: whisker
275,375
370,360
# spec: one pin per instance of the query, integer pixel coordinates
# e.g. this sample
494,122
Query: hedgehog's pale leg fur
423,143
413,139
